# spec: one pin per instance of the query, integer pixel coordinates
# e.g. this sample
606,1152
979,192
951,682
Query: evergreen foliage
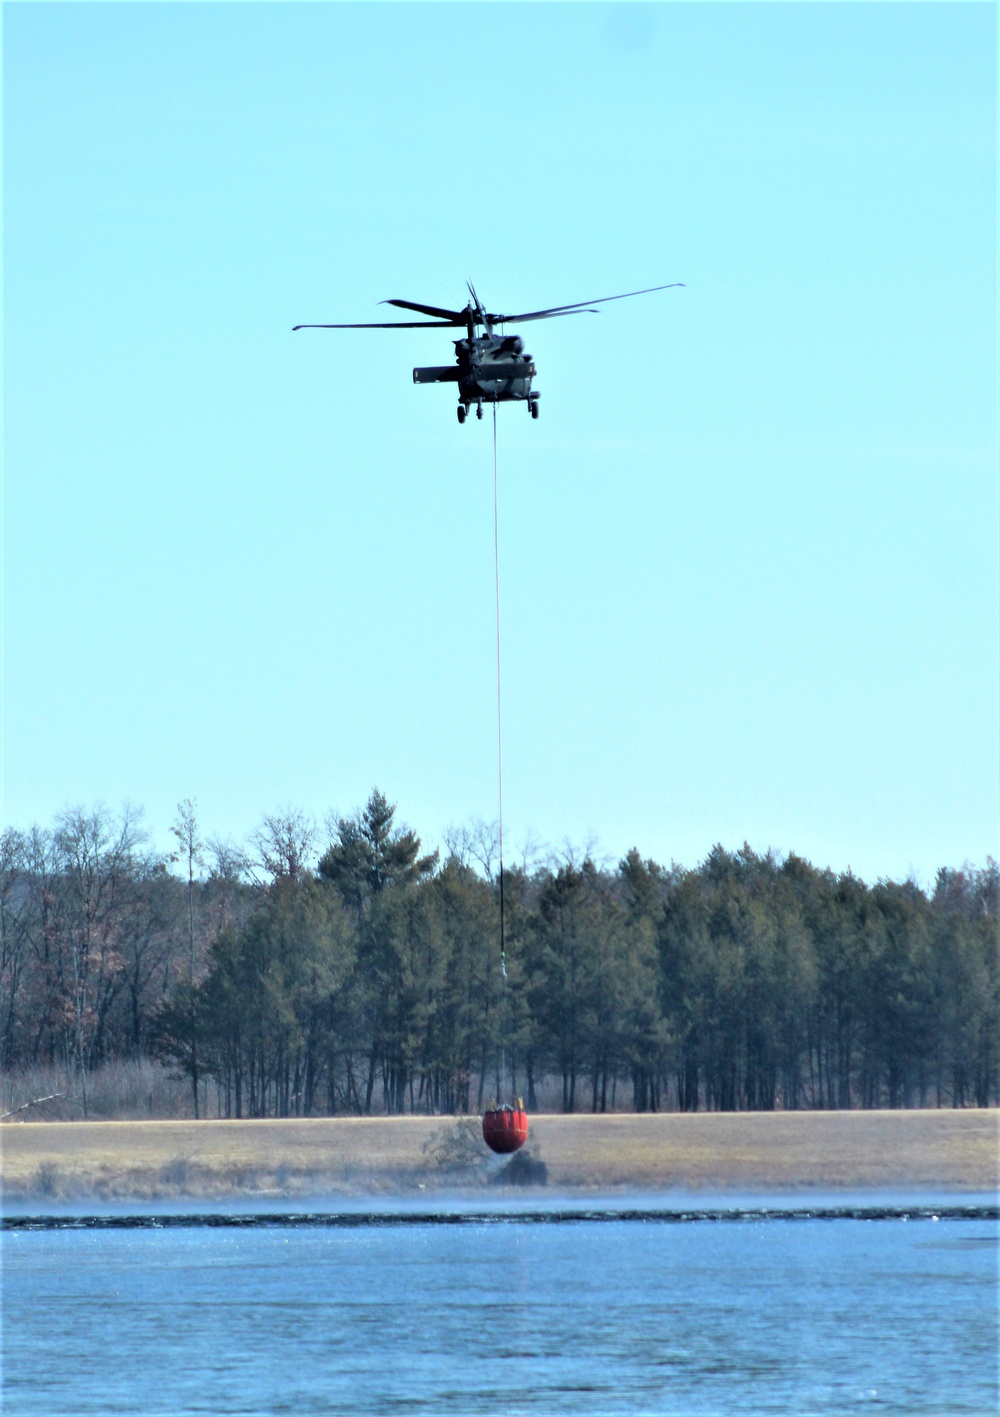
372,983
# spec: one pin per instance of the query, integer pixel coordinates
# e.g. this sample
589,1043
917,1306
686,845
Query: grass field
783,1151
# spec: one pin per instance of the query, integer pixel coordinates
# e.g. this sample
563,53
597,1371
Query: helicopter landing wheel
534,408
461,412
479,410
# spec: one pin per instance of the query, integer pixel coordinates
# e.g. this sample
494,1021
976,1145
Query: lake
669,1309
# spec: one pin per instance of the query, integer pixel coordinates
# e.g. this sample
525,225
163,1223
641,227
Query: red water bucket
505,1129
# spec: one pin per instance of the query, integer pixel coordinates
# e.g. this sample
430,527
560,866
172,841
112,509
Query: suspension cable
496,591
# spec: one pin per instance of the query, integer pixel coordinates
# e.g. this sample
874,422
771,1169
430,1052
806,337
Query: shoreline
952,1151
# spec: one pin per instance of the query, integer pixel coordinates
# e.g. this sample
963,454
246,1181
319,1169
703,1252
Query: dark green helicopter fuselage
488,369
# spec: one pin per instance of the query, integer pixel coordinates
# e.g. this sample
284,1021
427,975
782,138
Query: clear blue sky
749,550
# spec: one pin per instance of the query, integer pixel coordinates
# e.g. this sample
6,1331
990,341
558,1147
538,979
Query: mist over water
589,1316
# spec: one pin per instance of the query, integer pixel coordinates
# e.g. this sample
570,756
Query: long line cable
496,592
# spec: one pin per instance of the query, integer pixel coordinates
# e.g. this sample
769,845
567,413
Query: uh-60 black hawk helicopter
491,367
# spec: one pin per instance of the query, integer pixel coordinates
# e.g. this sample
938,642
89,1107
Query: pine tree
369,854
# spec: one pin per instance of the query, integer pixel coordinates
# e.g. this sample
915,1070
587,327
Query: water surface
588,1316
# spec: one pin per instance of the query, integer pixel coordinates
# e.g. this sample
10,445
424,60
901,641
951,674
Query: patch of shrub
48,1180
457,1146
525,1168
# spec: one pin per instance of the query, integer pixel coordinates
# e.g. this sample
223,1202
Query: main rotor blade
427,309
392,325
582,304
542,315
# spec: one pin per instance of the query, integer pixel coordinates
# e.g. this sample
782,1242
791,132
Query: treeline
295,976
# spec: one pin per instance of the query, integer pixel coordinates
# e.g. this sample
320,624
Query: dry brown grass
944,1150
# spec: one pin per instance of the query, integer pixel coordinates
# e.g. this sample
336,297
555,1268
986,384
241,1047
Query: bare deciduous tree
14,930
96,857
479,841
190,850
283,844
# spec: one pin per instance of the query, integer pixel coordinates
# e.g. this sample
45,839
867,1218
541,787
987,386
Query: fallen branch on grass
37,1102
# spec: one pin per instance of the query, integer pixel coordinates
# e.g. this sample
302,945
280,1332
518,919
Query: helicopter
490,367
